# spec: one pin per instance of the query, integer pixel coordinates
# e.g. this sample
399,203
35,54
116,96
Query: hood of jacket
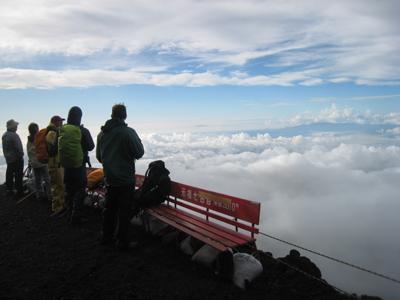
111,124
74,116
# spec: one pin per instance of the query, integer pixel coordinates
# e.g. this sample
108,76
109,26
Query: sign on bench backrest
238,208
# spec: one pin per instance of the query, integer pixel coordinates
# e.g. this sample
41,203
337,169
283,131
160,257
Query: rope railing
333,259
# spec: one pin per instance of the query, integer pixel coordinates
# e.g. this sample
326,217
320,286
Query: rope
334,259
253,247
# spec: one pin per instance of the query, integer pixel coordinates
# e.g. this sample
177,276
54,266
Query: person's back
40,170
118,146
14,155
12,146
71,145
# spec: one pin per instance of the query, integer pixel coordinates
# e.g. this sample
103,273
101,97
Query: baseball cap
56,119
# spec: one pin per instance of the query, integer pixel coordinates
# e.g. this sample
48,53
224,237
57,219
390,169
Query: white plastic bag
246,269
206,256
186,246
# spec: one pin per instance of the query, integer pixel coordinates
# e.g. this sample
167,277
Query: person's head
12,125
119,111
33,129
74,116
56,121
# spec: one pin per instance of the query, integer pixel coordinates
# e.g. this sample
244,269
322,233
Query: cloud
334,114
290,43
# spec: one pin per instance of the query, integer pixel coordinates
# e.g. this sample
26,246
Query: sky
299,101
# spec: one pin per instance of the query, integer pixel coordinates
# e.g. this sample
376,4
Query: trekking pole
26,197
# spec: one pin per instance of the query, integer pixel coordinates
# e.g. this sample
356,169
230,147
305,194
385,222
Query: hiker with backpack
118,147
74,144
14,155
46,142
40,168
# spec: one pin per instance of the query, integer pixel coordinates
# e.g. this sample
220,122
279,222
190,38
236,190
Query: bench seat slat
215,244
202,231
235,237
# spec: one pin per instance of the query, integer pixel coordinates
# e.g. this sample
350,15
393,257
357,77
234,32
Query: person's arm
87,140
98,150
136,144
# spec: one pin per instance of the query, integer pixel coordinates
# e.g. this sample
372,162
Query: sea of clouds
334,193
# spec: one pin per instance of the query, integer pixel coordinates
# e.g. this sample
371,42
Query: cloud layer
45,44
331,193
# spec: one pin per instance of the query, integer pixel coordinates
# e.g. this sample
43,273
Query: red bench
216,219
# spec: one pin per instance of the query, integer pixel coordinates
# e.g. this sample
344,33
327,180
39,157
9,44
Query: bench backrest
226,206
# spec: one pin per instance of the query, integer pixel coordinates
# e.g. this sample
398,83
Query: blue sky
224,64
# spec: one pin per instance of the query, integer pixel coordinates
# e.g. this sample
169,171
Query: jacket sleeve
98,145
87,141
136,144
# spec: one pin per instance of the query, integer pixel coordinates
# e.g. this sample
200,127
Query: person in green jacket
74,144
118,147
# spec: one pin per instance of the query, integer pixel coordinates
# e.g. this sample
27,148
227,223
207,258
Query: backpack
95,178
156,186
42,154
69,146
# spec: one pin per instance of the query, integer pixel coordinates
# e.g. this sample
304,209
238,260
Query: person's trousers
14,174
75,188
57,189
117,208
41,176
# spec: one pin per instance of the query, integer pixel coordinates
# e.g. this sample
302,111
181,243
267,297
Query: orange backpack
41,146
95,177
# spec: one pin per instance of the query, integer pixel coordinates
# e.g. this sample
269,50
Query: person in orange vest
55,169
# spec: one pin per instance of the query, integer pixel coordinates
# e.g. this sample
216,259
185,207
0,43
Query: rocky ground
42,257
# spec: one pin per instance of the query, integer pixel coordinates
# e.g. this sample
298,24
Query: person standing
40,170
14,155
55,170
74,144
118,146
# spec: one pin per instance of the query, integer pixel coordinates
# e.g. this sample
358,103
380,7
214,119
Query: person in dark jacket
14,155
118,146
75,177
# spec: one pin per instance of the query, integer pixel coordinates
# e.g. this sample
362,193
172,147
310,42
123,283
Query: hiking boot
125,246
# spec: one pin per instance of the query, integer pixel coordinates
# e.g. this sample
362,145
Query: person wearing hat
55,170
14,155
